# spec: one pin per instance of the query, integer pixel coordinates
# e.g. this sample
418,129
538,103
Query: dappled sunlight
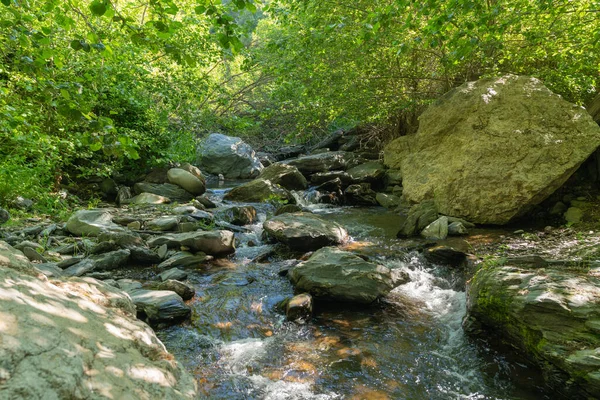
151,375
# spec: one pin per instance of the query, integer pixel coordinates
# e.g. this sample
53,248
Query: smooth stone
173,273
187,181
186,292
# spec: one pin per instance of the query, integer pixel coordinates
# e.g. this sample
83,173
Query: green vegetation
90,88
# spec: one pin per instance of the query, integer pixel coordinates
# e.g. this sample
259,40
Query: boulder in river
284,175
238,215
490,150
160,306
229,156
361,194
304,231
53,335
549,314
419,216
328,161
187,181
168,190
371,172
209,242
333,274
259,190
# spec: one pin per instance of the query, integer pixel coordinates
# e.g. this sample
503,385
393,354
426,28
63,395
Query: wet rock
238,215
4,216
53,332
437,230
322,177
167,223
206,202
519,125
445,255
83,267
51,270
333,274
457,229
399,277
419,216
323,162
388,200
230,156
91,222
258,191
286,176
550,315
212,242
186,292
173,273
334,185
304,231
299,307
361,194
288,208
168,190
187,181
160,306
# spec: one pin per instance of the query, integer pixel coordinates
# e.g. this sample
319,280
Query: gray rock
322,177
371,172
92,222
33,255
166,223
143,255
304,231
230,156
192,169
206,202
129,285
184,210
27,243
187,181
111,260
258,191
4,216
123,195
329,161
419,216
173,273
81,268
186,292
147,198
122,239
299,307
437,230
162,251
168,190
445,255
287,209
104,247
333,274
388,200
510,138
22,203
67,262
286,176
549,315
51,270
160,306
457,229
184,259
212,242
238,215
55,333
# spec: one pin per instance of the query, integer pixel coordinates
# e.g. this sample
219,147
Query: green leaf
98,7
95,146
250,7
76,44
6,2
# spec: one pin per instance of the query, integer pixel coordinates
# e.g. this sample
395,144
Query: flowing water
411,346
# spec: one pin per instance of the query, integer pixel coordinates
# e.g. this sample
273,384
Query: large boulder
304,231
285,176
92,222
322,162
230,156
168,190
258,191
490,150
333,274
160,306
78,339
211,242
371,172
551,315
187,181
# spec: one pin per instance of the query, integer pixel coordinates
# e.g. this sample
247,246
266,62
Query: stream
410,346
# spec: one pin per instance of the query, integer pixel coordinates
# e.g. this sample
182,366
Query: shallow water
410,346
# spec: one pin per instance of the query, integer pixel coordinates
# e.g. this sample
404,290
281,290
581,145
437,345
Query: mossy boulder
551,315
258,191
286,176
